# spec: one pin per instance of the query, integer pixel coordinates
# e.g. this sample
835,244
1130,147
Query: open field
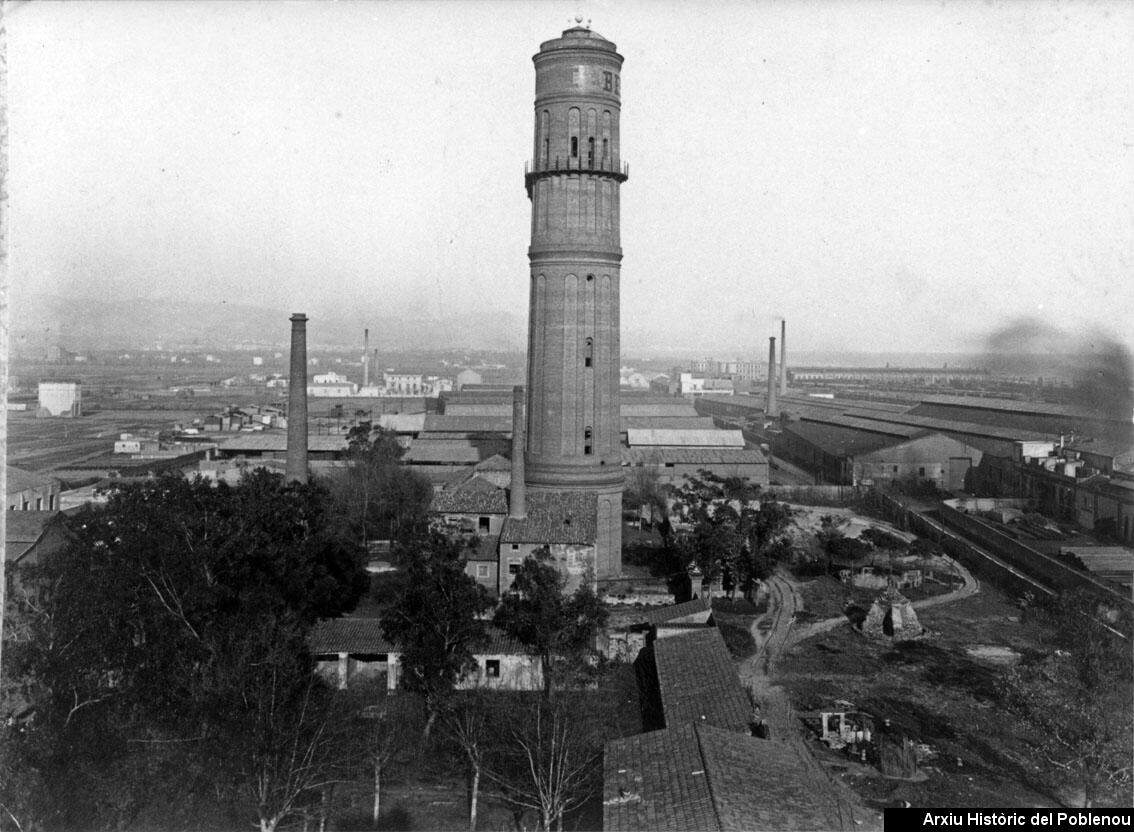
941,691
45,444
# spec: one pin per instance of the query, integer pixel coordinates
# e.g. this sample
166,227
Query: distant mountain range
81,323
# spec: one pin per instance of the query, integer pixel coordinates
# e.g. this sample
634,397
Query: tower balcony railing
605,167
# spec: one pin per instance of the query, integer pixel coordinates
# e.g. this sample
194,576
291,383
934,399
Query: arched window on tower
574,147
588,449
545,133
589,353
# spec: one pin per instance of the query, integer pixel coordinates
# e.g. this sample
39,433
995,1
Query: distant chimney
783,357
517,507
366,358
772,410
297,402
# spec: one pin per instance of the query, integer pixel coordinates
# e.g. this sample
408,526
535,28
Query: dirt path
771,632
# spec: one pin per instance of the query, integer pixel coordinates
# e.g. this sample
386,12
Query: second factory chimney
517,508
783,357
772,410
366,358
296,470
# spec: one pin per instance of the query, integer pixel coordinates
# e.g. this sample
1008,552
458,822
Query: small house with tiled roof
355,649
699,776
563,522
472,506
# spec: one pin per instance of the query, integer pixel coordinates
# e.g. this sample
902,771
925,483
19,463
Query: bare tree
550,758
469,726
387,731
296,746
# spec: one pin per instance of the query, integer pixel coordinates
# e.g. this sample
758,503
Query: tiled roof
671,422
955,426
438,423
27,526
496,462
674,408
441,475
265,441
364,635
487,550
555,517
693,456
453,451
348,635
705,778
656,781
475,495
763,784
841,440
686,438
698,681
659,615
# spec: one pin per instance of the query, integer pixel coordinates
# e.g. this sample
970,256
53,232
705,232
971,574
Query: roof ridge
705,773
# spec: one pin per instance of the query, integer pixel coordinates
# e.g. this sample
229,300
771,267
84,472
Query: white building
60,398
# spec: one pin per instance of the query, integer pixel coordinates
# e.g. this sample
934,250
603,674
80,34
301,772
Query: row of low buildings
704,759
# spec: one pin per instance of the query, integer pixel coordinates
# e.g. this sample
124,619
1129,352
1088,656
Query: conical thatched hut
892,616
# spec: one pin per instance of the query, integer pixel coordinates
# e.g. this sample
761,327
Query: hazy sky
898,176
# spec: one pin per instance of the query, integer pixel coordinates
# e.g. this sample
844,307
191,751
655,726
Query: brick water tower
573,336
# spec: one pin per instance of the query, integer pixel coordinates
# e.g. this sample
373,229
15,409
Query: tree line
157,672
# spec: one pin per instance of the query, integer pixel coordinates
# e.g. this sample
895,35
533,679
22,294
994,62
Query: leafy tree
379,498
644,488
437,622
882,539
741,545
559,628
137,653
1080,699
830,535
765,543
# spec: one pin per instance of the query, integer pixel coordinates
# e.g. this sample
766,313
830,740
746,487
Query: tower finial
578,18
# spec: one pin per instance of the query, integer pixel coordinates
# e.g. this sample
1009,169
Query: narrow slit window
591,152
587,446
605,148
589,354
574,147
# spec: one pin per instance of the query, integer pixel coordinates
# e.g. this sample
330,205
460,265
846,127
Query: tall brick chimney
297,402
366,358
773,409
517,507
783,357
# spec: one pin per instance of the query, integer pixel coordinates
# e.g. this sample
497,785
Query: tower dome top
578,37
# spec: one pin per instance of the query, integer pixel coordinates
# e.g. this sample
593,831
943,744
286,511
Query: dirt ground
938,693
